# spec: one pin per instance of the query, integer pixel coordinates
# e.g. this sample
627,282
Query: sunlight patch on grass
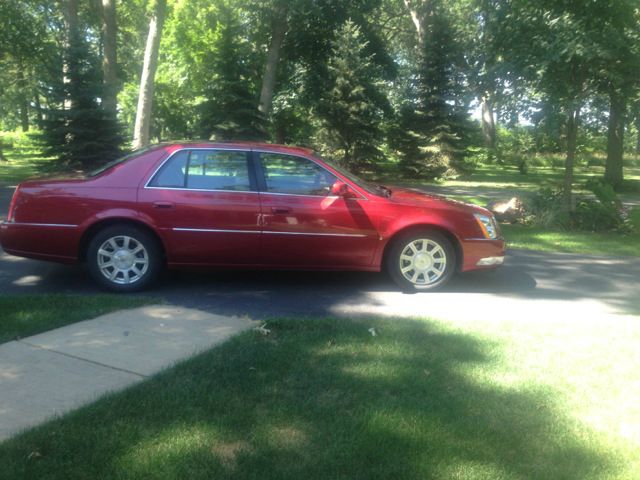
536,238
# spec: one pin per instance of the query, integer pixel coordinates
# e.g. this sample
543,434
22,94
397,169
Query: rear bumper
54,242
480,254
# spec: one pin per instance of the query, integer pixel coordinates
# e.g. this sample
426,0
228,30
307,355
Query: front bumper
482,254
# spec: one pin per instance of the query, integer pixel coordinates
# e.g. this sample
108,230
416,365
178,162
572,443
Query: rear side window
172,173
205,170
295,175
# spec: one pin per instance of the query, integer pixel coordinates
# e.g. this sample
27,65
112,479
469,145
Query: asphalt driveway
529,283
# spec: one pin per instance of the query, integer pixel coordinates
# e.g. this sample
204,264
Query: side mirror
341,189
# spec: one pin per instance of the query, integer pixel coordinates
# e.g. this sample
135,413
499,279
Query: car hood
419,198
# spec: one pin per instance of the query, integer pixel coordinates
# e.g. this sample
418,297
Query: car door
206,205
303,224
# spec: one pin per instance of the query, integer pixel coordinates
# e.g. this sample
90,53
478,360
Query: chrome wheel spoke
123,259
423,261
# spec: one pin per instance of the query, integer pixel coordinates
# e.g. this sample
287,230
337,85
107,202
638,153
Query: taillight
12,205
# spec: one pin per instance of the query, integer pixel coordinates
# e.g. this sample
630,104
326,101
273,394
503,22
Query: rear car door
303,224
205,203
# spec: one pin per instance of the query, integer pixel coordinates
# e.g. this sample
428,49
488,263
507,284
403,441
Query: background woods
420,88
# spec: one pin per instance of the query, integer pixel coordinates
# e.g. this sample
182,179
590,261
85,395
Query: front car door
205,203
303,224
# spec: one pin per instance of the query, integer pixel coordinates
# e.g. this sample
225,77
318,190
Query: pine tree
84,135
429,132
230,111
352,109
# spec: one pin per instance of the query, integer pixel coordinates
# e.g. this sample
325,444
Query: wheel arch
101,224
448,234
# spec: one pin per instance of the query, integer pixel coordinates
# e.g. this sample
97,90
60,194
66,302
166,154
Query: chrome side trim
302,195
213,230
28,224
316,234
200,190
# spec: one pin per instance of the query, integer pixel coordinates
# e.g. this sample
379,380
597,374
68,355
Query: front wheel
423,260
124,258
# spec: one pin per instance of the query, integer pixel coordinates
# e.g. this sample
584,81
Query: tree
230,109
552,45
79,132
278,31
431,124
351,110
142,128
109,56
618,74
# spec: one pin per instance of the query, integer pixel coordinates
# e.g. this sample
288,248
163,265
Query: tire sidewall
393,260
149,243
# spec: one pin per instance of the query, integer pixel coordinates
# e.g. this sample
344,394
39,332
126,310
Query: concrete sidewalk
54,372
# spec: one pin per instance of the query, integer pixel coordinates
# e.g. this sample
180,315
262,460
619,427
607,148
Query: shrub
544,209
605,213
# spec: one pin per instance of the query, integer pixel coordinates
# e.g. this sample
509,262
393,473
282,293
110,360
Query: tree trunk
418,21
638,134
572,137
36,101
109,58
615,140
273,55
70,14
24,103
488,122
145,97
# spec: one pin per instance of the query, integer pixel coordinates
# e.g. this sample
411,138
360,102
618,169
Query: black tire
146,263
438,262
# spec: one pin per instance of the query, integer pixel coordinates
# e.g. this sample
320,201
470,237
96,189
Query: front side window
205,170
295,175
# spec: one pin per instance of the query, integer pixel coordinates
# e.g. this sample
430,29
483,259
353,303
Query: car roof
273,147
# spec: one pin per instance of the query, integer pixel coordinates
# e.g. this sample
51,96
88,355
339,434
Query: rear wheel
421,260
124,258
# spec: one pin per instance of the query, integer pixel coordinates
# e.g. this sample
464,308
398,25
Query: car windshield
120,160
372,188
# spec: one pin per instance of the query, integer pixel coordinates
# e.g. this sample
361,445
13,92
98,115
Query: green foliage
431,128
604,213
230,110
84,134
352,108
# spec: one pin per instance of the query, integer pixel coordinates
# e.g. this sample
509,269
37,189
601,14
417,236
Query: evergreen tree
430,129
352,109
230,111
85,134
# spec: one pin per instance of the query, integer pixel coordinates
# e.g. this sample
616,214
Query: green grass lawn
536,238
24,315
527,398
24,158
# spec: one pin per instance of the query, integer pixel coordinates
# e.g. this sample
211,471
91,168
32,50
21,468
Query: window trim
262,183
250,171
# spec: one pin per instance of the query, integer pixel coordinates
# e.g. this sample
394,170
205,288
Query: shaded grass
25,315
24,158
326,399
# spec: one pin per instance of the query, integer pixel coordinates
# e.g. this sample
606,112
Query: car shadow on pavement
263,293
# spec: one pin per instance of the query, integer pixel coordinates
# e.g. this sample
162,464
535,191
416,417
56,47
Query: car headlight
487,225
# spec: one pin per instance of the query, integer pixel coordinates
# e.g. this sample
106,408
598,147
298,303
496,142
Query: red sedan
244,205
